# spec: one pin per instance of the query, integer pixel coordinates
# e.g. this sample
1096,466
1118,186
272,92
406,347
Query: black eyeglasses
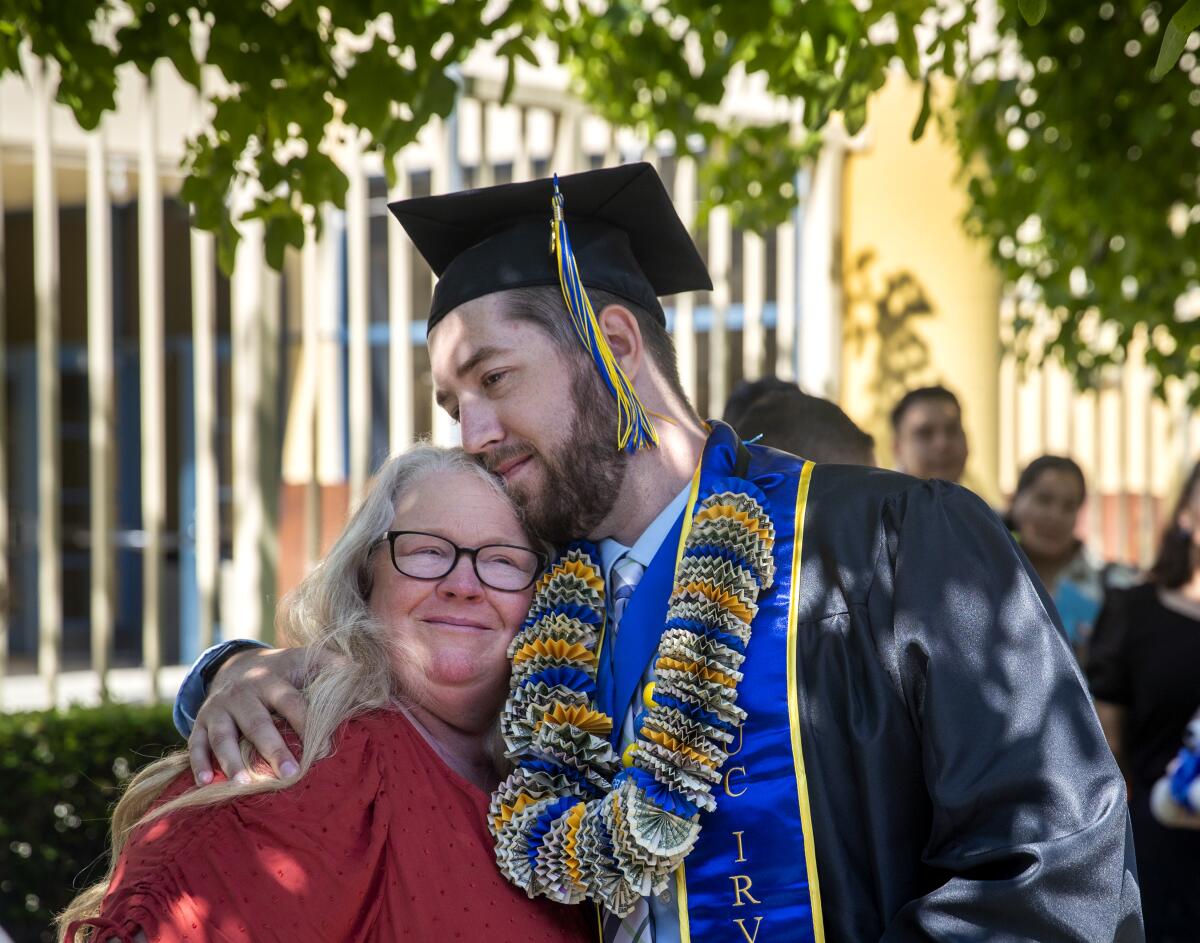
430,557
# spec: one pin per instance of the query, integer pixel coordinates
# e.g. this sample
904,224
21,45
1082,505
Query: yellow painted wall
921,299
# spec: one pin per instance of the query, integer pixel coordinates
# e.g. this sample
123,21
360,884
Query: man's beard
583,476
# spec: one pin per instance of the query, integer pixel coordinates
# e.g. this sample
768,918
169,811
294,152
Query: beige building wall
922,301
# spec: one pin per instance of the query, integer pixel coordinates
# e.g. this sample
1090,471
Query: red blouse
380,841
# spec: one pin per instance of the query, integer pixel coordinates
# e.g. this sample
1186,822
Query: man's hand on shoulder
241,698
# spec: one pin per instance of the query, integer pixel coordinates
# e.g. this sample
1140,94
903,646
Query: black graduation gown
960,784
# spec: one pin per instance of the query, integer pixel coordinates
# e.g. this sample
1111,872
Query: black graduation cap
626,236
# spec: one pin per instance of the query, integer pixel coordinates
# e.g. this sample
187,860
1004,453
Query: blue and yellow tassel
634,429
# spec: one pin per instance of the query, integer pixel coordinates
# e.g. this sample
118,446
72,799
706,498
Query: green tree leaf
923,115
1032,10
1181,25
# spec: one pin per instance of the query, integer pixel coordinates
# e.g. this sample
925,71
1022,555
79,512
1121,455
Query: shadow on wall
884,309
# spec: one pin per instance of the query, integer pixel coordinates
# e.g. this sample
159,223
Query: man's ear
624,337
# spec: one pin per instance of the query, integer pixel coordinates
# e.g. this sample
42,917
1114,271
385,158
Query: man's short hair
924,394
793,421
544,306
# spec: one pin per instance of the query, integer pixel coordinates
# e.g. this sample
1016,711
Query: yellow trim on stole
685,927
810,851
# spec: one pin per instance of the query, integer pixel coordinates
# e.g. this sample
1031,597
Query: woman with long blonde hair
382,833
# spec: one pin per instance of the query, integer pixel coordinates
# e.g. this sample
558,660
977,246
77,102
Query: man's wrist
233,647
194,688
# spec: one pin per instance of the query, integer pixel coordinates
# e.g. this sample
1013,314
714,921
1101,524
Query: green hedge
60,773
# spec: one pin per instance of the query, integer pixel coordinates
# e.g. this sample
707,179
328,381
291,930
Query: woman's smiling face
451,633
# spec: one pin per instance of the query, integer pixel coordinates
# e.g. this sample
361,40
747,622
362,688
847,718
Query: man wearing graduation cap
755,699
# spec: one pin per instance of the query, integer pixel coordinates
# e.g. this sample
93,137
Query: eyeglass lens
427,556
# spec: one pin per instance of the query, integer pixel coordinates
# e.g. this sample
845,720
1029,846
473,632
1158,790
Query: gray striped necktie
638,926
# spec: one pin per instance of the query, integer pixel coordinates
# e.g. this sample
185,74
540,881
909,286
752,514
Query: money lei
569,822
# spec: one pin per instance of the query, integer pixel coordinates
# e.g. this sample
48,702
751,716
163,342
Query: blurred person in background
1144,672
1043,516
779,414
380,833
928,440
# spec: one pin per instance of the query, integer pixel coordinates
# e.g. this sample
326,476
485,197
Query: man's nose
481,430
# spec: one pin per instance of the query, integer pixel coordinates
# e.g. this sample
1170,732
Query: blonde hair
329,615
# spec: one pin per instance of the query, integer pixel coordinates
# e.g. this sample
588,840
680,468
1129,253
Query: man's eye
492,379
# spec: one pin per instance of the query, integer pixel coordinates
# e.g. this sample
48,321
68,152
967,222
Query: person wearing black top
1144,672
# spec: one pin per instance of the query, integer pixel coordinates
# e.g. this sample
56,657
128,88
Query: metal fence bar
49,391
785,298
152,352
685,304
306,386
5,588
444,175
1147,528
358,299
486,172
1005,403
720,237
1121,444
331,432
400,314
269,443
207,524
754,294
246,395
568,142
522,159
1087,426
1056,419
101,408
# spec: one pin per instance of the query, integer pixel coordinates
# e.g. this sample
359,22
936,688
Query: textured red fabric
380,841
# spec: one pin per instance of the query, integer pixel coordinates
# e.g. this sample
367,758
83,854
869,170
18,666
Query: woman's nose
461,581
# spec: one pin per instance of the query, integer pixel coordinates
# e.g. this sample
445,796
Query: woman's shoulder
383,732
375,738
393,744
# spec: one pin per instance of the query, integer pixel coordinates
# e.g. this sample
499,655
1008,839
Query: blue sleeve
194,688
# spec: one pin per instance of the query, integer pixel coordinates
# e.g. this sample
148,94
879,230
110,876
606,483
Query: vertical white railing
445,177
685,304
151,356
207,520
5,584
720,237
49,390
400,317
567,157
247,292
486,176
785,301
820,344
267,478
307,411
754,296
358,300
101,408
522,158
331,429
